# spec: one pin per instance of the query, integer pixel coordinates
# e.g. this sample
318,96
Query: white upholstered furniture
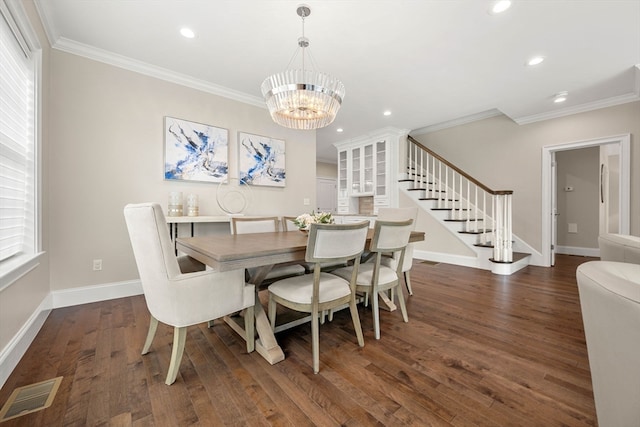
177,298
246,225
619,247
400,214
323,291
389,236
610,301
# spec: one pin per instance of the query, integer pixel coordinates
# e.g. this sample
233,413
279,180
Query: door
616,187
554,208
326,195
609,188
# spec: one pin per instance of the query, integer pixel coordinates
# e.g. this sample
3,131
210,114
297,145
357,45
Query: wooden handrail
460,171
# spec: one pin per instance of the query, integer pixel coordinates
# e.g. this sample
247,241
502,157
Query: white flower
305,220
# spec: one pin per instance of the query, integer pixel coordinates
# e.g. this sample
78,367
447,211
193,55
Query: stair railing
469,200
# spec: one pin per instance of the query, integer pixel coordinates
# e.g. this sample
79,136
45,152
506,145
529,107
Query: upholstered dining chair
374,277
265,224
289,225
323,291
176,297
400,214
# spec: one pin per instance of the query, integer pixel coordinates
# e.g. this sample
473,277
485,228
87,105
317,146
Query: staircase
479,216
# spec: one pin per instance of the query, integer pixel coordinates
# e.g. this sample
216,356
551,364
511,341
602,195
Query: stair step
484,245
463,220
480,231
517,256
436,198
425,189
449,209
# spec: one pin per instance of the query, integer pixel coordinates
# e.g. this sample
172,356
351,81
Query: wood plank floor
479,349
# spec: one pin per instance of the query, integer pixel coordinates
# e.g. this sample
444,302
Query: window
19,65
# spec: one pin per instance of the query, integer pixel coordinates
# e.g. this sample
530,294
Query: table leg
266,344
387,304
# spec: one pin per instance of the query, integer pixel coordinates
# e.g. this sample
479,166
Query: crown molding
378,133
458,122
582,108
120,61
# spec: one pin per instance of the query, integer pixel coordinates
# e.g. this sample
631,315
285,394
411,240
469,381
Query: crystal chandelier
303,98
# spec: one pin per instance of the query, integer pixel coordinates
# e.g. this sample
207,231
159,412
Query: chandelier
303,98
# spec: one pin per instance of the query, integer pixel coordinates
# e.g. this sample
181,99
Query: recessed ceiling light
535,60
387,113
560,97
499,6
187,32
339,130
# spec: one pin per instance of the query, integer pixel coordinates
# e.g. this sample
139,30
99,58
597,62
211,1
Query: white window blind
17,141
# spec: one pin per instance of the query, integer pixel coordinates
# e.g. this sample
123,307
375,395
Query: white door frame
625,183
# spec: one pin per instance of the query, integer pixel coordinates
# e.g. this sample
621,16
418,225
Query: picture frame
195,151
261,160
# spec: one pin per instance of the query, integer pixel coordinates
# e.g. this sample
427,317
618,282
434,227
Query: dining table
224,252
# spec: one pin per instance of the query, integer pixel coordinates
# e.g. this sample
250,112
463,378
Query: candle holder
192,205
175,204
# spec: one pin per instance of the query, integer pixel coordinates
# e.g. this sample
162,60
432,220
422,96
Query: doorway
614,188
326,195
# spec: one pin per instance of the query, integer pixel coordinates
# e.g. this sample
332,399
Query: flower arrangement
305,220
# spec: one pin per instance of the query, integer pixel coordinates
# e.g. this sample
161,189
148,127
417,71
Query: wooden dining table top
234,251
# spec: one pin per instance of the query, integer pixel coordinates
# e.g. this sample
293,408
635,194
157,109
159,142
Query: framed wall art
261,160
195,151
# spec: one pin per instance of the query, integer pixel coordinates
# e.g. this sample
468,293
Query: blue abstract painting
262,160
195,151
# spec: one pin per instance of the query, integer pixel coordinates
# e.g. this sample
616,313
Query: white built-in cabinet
364,170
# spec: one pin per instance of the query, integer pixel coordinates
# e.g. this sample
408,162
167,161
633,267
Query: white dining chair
323,291
400,214
181,298
288,224
374,277
265,224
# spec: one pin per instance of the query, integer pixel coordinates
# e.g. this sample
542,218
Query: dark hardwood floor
479,349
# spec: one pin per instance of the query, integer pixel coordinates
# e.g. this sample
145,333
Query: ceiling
432,63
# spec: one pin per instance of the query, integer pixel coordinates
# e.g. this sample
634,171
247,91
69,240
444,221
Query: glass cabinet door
368,169
342,174
381,167
355,171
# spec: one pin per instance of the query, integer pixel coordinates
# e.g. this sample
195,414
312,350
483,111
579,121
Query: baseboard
573,250
89,294
17,347
465,261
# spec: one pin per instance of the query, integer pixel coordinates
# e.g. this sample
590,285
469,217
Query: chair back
401,214
152,248
336,242
391,236
245,225
288,224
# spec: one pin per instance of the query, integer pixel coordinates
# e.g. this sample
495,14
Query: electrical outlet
97,264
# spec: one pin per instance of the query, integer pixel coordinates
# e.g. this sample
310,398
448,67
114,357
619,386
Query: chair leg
315,342
403,307
375,309
272,313
249,328
356,321
407,281
153,326
179,338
